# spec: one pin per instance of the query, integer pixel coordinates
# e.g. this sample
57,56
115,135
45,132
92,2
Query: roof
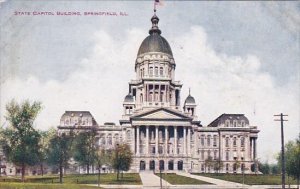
79,114
190,100
223,117
128,98
155,42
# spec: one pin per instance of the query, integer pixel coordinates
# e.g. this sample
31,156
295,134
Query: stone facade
162,135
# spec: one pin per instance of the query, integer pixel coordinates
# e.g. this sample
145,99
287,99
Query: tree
218,165
292,154
236,165
274,169
46,136
208,163
85,148
103,157
59,151
122,158
264,167
21,144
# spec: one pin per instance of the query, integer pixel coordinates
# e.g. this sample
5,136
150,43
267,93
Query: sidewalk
150,180
217,182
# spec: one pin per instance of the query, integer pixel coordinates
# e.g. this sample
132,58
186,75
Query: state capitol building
162,133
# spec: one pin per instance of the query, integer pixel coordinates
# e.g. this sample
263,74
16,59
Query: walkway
217,182
150,180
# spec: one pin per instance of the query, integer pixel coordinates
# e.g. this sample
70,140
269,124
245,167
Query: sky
237,57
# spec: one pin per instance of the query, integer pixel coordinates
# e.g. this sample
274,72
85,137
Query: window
153,150
243,123
150,96
215,140
156,71
227,155
227,123
202,141
242,142
208,153
202,155
227,167
215,155
160,149
234,123
161,71
227,142
234,141
208,140
151,71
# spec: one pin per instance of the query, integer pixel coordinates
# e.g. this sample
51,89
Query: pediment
162,114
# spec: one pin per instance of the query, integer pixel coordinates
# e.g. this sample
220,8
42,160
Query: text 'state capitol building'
162,133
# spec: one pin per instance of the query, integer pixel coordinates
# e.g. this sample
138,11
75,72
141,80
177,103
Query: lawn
108,178
13,185
251,179
175,179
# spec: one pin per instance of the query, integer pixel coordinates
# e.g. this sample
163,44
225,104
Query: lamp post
118,163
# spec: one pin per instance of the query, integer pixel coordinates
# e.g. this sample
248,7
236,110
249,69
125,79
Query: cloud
220,84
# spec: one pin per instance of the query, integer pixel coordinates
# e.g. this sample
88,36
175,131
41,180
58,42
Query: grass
251,179
13,185
108,178
175,179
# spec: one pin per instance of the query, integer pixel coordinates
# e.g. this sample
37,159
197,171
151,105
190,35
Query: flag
157,2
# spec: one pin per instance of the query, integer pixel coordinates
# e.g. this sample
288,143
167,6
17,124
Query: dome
129,98
155,42
190,100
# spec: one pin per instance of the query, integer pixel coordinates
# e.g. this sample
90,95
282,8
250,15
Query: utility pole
282,149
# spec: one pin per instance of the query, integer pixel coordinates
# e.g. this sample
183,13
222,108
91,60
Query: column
147,92
254,148
133,140
137,140
159,91
166,139
184,140
156,140
147,140
250,149
175,140
167,93
189,141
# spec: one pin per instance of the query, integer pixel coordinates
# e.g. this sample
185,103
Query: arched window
234,141
227,167
152,165
243,167
161,71
227,155
141,97
202,140
227,123
208,140
161,165
215,155
215,140
156,71
151,71
180,165
227,142
151,97
242,142
171,165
